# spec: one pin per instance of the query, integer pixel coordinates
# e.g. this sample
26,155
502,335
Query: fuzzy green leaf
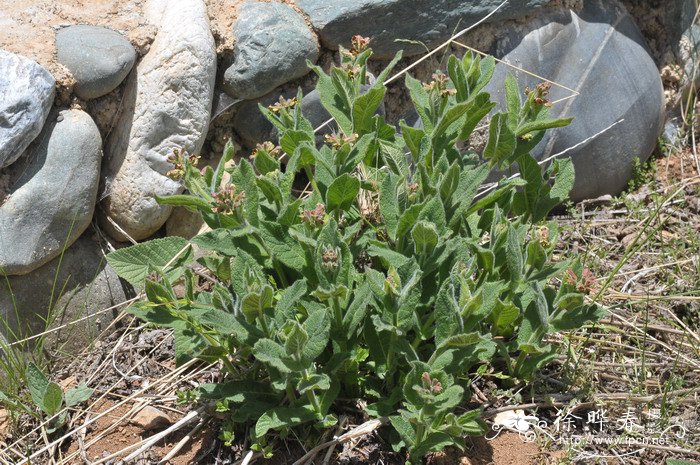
290,297
513,101
425,237
501,142
132,263
408,219
292,139
332,100
541,124
223,240
404,428
389,204
315,382
184,201
78,394
271,353
514,256
317,326
342,192
282,246
247,184
421,102
37,382
296,340
364,108
354,316
434,442
577,317
254,304
52,400
282,418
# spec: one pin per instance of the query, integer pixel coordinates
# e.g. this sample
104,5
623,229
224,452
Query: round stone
98,57
26,97
272,45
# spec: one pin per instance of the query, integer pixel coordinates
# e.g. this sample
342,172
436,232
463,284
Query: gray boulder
26,96
98,57
64,291
272,45
167,104
52,194
385,21
600,53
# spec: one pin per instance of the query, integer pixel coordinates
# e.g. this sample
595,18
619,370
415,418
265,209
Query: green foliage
389,279
48,397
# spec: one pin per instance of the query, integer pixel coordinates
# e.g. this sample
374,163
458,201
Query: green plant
387,278
49,397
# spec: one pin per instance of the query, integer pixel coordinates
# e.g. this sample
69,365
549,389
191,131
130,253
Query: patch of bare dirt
28,28
110,435
506,449
679,165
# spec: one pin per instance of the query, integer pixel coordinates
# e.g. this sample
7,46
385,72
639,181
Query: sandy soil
28,27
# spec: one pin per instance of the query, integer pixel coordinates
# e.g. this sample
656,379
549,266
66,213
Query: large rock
26,96
384,21
167,104
67,289
272,45
600,53
98,57
52,193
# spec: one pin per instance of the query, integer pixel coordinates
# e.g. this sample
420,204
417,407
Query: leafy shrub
389,277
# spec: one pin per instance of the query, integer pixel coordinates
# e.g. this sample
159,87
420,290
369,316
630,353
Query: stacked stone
52,170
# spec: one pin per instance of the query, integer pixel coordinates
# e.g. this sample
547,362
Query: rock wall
151,81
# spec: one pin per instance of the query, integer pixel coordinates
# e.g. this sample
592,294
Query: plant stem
390,357
291,397
311,395
341,337
429,322
312,179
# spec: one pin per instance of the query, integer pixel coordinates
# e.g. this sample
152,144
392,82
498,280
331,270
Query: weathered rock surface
26,96
385,21
600,54
79,284
272,45
167,104
98,57
150,418
52,192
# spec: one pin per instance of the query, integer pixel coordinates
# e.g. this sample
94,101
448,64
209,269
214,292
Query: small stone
52,193
150,418
98,57
272,45
26,96
184,223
